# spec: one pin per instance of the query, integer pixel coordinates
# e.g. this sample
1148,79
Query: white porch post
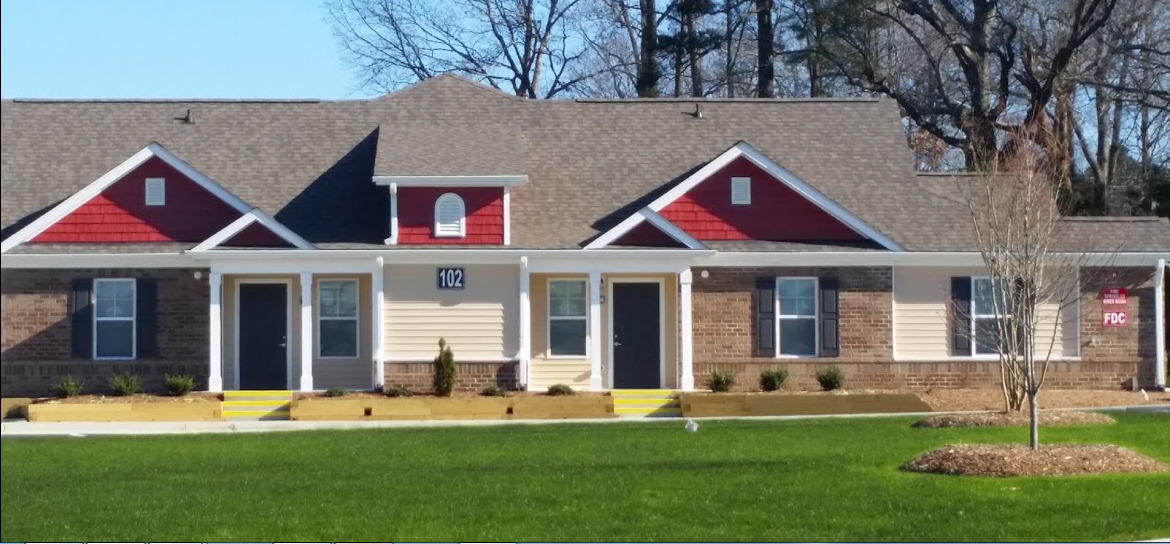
215,333
595,331
1160,325
306,331
686,351
376,307
525,354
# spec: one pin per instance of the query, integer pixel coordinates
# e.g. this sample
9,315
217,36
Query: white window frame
132,319
356,319
162,184
977,316
450,197
816,316
741,201
550,318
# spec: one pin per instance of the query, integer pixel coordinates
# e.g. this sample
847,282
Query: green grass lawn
731,481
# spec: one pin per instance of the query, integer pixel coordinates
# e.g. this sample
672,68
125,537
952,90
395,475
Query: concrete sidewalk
21,428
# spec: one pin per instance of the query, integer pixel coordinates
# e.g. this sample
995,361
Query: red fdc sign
1113,295
1114,318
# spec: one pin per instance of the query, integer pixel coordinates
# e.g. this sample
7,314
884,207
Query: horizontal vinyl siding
480,322
546,372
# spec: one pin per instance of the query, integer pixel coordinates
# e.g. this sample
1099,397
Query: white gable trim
452,181
743,149
69,205
254,215
671,229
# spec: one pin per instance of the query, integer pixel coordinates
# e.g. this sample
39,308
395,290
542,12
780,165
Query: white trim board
69,205
745,150
288,284
609,281
453,181
255,215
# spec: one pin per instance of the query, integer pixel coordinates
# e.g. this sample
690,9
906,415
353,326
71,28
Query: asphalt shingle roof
589,163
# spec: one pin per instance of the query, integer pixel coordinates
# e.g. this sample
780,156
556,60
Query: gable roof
590,163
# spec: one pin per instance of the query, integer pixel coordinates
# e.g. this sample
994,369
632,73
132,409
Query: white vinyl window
796,308
567,323
156,191
985,315
741,191
450,216
337,318
114,316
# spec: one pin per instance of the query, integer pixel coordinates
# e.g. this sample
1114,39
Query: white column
376,307
306,331
508,218
685,348
1160,325
393,214
215,333
595,331
525,355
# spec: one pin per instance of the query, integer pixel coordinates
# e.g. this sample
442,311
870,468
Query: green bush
493,391
126,384
772,380
560,390
444,370
179,385
67,387
831,378
397,391
721,381
336,392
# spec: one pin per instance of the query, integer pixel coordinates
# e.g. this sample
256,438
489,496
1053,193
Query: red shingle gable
776,212
484,208
120,214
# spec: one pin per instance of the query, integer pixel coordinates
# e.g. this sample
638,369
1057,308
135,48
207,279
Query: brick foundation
470,377
35,351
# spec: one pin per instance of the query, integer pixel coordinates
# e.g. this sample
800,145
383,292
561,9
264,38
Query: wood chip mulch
141,397
1007,460
1001,419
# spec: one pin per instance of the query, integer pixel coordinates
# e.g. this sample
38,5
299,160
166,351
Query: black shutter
81,317
830,317
146,314
766,316
961,315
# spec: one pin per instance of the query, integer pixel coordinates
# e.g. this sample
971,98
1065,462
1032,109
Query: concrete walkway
22,428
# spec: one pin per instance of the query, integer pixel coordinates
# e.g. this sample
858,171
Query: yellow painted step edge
623,392
253,413
646,401
644,409
227,394
275,402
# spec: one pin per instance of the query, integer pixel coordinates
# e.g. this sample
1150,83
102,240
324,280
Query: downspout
1160,326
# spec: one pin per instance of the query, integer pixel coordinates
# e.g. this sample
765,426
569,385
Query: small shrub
125,385
831,378
67,387
493,391
560,390
397,391
721,381
179,385
444,370
336,392
772,380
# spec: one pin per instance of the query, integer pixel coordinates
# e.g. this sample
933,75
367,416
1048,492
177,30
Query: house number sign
450,278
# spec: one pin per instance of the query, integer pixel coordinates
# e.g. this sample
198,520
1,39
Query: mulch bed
1006,460
1001,419
141,397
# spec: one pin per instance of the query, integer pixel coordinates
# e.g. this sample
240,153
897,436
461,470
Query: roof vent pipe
698,112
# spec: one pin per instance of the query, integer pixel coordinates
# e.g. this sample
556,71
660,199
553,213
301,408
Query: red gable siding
256,235
484,207
119,214
647,235
776,212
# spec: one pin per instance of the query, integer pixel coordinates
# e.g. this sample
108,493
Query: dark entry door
636,343
263,336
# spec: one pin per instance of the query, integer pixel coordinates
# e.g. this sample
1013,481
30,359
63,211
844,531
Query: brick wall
36,331
470,377
724,335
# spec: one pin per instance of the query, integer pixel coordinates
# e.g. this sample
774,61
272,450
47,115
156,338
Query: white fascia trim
671,229
453,181
256,215
743,149
97,260
95,188
906,258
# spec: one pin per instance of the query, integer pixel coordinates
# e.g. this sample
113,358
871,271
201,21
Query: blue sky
170,49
